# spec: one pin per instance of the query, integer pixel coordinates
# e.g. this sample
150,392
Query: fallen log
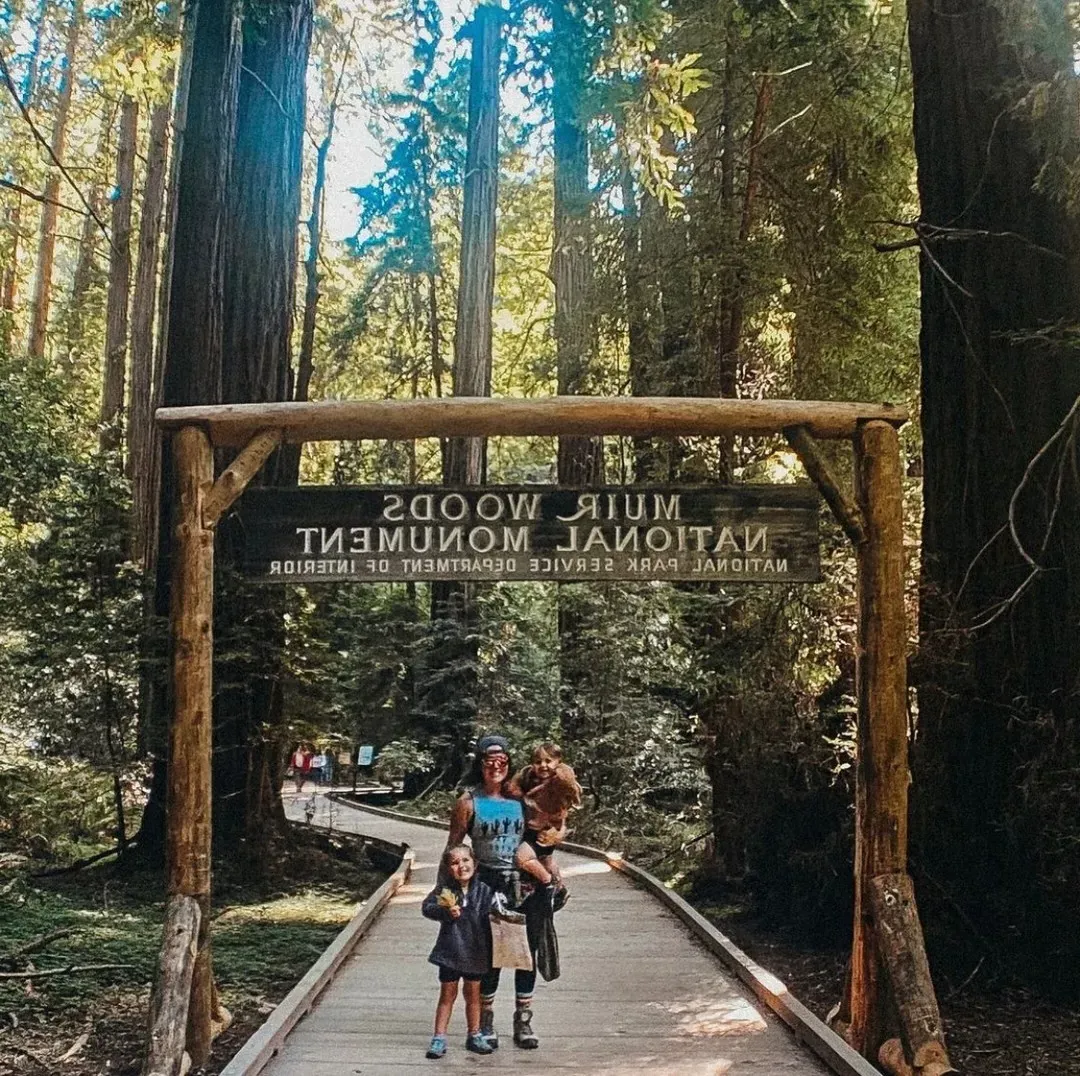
899,939
12,959
71,868
172,992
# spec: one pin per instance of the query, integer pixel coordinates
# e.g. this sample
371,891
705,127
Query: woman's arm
461,816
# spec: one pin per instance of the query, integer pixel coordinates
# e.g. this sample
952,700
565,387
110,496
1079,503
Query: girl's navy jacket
463,944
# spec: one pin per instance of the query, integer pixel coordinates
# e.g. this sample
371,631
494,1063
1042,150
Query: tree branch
6,74
71,969
18,188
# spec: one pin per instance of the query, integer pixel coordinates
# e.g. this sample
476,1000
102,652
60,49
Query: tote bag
509,941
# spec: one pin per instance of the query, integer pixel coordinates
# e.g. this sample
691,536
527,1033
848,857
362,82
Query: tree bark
1001,553
881,774
116,312
140,438
581,460
9,277
464,458
259,297
172,990
191,365
46,252
476,288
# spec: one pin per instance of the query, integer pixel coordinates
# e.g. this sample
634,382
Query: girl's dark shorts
531,838
451,975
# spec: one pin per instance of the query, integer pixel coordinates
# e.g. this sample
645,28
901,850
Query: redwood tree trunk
46,252
260,287
1000,292
141,453
476,288
581,459
464,458
191,368
116,312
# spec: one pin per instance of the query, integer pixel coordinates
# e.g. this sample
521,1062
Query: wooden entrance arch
888,972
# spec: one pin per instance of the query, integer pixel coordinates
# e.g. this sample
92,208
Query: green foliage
52,807
399,757
70,609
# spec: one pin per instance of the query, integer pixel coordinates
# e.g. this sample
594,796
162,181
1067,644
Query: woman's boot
523,1032
487,1028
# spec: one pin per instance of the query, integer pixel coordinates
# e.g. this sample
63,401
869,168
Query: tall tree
46,251
580,458
116,310
140,433
997,143
259,298
476,281
192,360
455,651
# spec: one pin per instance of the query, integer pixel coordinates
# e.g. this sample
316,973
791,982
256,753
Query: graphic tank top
496,830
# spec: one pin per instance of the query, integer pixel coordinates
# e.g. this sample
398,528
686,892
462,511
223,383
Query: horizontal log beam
233,425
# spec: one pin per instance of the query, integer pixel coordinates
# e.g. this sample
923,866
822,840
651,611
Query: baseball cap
487,745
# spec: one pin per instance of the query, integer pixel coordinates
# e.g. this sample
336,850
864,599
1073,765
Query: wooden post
187,838
899,937
172,998
881,782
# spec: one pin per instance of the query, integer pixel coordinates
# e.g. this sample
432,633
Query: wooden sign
322,534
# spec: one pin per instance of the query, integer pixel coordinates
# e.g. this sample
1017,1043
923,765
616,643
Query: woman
495,824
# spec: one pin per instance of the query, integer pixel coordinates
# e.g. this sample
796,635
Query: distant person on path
301,766
494,822
548,789
318,767
461,903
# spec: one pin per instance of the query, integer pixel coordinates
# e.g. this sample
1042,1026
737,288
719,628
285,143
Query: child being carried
548,790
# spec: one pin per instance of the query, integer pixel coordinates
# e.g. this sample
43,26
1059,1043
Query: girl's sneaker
477,1044
437,1047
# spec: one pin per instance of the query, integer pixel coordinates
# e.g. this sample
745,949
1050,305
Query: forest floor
265,937
992,1028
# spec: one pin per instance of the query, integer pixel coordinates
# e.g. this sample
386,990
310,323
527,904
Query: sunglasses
495,760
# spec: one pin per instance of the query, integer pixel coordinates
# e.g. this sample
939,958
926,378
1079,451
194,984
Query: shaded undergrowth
266,933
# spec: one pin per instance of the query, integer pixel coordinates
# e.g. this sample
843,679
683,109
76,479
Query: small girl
548,790
463,948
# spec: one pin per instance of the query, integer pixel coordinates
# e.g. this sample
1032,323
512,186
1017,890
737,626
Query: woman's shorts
451,975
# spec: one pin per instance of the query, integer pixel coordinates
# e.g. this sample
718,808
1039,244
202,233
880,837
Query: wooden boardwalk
638,992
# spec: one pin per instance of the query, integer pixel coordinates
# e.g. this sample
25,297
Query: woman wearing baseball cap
495,824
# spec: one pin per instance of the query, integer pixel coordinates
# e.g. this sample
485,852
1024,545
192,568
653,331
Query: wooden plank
646,987
267,1040
744,533
344,420
377,1015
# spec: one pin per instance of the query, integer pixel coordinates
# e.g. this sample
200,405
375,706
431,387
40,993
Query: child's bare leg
443,1011
526,859
549,864
471,990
